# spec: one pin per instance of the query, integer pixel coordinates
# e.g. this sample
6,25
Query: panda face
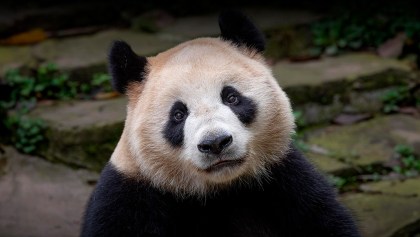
208,118
207,114
204,115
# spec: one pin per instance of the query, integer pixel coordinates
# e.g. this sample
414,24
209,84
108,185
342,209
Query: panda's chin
224,164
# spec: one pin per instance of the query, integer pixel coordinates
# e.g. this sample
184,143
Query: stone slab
406,188
82,134
69,115
387,208
382,216
356,82
329,165
91,50
367,143
40,199
345,67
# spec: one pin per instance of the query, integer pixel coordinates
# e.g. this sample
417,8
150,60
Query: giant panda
206,148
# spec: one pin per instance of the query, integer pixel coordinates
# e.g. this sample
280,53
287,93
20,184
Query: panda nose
215,145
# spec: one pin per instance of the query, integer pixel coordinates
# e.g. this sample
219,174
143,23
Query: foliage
404,150
44,83
47,82
102,80
299,143
342,182
408,165
409,162
354,31
26,89
29,133
395,97
298,136
299,119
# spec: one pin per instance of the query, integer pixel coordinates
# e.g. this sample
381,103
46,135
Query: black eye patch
174,128
244,107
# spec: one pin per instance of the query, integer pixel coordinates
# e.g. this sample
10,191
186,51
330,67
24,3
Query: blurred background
351,69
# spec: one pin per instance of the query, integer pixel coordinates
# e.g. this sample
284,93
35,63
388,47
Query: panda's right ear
239,29
125,66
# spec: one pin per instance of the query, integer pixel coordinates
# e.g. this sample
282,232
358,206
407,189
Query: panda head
204,115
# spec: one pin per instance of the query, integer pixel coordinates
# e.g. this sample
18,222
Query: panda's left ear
125,66
239,29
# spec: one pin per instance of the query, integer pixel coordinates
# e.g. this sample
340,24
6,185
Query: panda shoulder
118,198
297,171
115,188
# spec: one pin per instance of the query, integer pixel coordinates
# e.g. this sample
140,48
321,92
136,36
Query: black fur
174,130
239,29
296,202
125,66
245,109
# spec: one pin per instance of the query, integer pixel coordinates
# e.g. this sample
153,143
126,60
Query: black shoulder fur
296,202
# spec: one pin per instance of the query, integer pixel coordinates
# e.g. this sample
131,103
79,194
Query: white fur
208,115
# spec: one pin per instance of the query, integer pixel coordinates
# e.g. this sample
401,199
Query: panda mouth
224,164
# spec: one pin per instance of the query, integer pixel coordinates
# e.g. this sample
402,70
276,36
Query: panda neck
123,160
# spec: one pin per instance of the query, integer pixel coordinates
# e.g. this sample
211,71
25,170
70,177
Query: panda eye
230,96
179,115
232,99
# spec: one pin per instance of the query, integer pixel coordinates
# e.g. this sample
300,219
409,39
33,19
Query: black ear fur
125,66
239,29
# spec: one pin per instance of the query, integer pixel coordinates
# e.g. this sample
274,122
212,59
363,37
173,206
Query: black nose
215,145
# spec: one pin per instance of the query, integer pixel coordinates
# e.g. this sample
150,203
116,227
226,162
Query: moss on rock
88,147
82,133
384,215
364,144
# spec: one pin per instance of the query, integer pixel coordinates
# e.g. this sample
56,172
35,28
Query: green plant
299,143
347,31
404,150
52,84
342,182
46,82
22,88
102,81
409,162
30,86
393,98
29,133
299,119
354,31
298,136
